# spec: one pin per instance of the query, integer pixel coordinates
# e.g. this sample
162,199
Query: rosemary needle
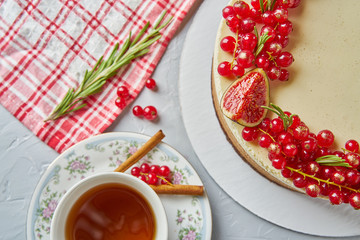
104,69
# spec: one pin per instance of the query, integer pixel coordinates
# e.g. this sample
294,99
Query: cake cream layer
324,84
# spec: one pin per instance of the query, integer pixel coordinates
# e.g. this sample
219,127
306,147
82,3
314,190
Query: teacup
110,204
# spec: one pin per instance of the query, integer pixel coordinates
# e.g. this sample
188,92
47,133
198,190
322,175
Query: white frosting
324,85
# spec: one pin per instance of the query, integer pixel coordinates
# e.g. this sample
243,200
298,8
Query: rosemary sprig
268,6
261,41
287,120
104,69
332,160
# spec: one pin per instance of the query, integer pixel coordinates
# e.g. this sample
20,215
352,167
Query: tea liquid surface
110,211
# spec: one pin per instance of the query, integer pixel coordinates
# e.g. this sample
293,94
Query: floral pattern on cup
105,155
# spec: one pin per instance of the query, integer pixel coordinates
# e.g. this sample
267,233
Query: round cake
324,81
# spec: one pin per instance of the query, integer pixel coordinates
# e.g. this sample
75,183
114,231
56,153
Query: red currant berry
336,197
152,179
155,169
325,188
262,62
249,133
224,69
238,71
338,177
277,125
283,40
352,145
294,3
144,168
299,181
245,58
285,59
313,190
122,92
143,178
312,168
165,181
268,18
269,31
281,14
290,150
352,177
247,25
228,11
279,162
306,156
265,140
339,154
309,144
295,120
353,159
265,124
325,138
138,111
285,28
241,8
256,4
301,132
285,138
164,171
248,41
227,44
274,149
273,72
150,83
273,48
135,171
255,15
150,113
286,173
354,200
326,172
322,151
233,22
120,103
284,75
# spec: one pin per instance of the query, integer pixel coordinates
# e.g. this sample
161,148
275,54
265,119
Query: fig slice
242,100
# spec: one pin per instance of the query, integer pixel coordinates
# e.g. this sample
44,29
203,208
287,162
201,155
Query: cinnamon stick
178,189
141,152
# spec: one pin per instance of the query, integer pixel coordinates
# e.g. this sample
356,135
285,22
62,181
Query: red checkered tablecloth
46,46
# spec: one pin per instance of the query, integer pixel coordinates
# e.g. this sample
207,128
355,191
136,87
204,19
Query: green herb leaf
287,120
261,41
272,5
332,160
95,79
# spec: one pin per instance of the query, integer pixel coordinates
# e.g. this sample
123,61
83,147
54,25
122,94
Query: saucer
188,216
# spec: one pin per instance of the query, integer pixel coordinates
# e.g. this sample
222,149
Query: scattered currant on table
308,159
248,48
150,84
123,94
152,174
150,113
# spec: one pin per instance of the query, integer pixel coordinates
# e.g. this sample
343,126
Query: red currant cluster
308,159
152,174
148,112
250,49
